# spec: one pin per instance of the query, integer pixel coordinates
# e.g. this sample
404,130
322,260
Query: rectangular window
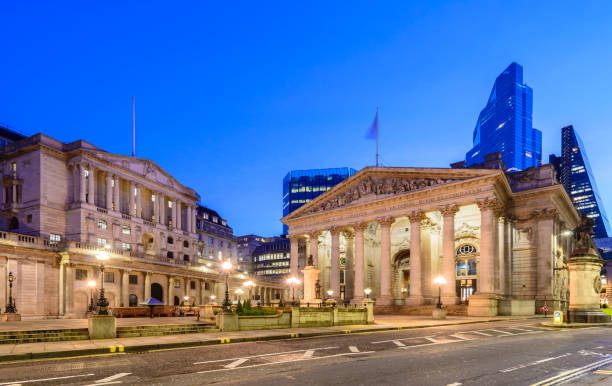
126,230
14,167
81,274
126,246
193,285
102,224
29,218
109,277
207,286
133,279
177,283
211,241
101,241
55,237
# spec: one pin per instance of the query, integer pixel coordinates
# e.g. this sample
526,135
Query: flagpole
133,126
377,129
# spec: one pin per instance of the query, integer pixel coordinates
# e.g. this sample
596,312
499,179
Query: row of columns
489,210
85,181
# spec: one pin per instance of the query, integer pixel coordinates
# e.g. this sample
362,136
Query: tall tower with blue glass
505,124
575,174
302,186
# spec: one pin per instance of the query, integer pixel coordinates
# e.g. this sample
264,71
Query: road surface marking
607,372
567,375
112,377
520,329
442,340
532,363
455,384
46,379
459,336
308,354
353,349
478,332
263,355
288,361
398,343
501,332
393,340
236,363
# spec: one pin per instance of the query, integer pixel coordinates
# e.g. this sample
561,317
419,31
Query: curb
120,349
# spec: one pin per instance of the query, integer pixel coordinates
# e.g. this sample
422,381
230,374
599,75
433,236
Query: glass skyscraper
302,186
574,172
505,124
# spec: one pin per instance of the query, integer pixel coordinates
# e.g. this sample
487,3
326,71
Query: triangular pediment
373,184
147,169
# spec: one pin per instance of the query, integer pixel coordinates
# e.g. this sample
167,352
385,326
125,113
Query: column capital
488,204
543,214
348,233
335,231
385,221
449,210
360,226
416,216
314,234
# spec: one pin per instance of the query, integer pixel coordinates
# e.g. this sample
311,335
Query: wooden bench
123,312
164,311
189,311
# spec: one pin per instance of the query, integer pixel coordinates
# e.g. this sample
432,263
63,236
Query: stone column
293,262
82,184
359,282
156,207
448,252
61,287
162,209
174,203
485,302
69,307
349,273
416,293
385,261
179,215
170,291
334,274
109,191
132,210
314,247
116,199
125,287
91,180
188,219
139,201
193,219
544,268
147,286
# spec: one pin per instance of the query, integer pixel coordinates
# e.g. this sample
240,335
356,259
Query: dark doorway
176,301
157,292
133,300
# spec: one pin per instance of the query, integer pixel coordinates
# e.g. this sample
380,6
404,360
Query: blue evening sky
230,96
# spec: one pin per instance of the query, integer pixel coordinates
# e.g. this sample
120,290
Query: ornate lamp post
330,292
367,292
440,281
239,292
226,266
212,298
186,299
249,284
293,281
91,284
10,307
102,302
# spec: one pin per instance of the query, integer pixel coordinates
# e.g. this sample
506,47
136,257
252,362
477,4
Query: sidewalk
17,352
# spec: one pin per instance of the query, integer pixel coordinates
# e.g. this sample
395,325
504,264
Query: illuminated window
102,224
466,249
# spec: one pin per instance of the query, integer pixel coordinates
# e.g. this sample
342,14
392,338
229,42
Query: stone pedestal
227,321
584,287
483,305
369,305
311,274
516,307
102,327
10,317
438,314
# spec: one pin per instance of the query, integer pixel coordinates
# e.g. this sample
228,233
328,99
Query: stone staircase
37,336
166,329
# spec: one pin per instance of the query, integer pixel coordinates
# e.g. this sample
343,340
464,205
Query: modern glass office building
302,186
574,172
505,124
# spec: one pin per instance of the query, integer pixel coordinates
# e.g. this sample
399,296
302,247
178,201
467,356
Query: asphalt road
501,353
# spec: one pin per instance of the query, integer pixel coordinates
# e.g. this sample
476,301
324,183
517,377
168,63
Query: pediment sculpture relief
379,186
466,230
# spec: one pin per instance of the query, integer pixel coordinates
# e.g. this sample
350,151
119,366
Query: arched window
186,244
133,300
170,255
466,249
170,240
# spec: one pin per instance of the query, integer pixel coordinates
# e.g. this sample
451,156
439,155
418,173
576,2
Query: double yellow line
567,375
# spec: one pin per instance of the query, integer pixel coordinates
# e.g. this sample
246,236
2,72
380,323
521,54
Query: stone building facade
216,240
64,203
497,238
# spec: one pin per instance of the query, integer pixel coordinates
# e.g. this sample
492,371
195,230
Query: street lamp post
213,297
367,292
102,302
293,281
186,300
239,292
440,281
10,307
91,284
227,306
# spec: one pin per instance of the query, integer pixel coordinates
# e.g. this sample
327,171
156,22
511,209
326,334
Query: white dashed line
308,354
398,343
236,363
353,349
